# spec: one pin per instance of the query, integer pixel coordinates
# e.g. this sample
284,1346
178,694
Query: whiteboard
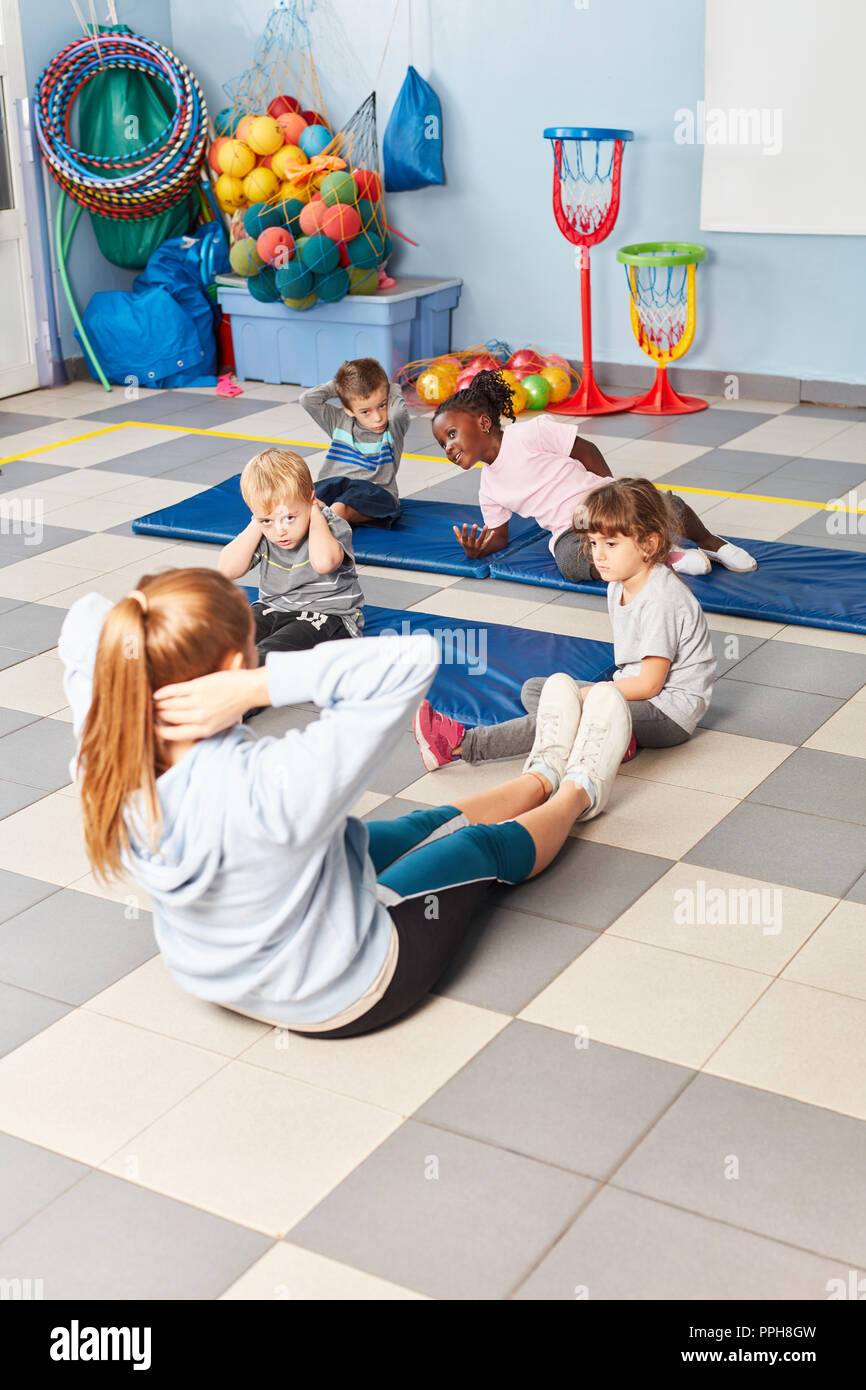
783,121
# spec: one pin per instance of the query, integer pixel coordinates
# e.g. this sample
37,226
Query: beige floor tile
659,1003
58,404
847,445
288,424
35,685
724,917
254,1147
37,578
744,627
442,581
819,637
101,444
701,502
107,552
113,584
149,998
652,818
759,520
95,513
37,443
265,390
397,1068
151,493
482,608
607,443
367,801
182,555
794,435
418,474
287,1272
571,622
835,957
73,486
642,458
802,1042
726,764
123,890
759,407
65,715
44,841
87,1085
844,732
458,780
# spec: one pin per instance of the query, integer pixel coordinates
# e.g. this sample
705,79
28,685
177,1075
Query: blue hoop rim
568,132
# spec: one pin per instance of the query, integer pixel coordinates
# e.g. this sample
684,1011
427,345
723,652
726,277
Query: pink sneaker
630,751
437,736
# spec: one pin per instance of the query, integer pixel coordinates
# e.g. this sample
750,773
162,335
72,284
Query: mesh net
282,62
660,296
587,171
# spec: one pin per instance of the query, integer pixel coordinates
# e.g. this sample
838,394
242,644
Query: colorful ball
213,152
289,158
340,222
370,215
387,245
259,216
518,395
293,280
314,140
434,387
537,390
318,253
275,245
290,213
466,376
313,118
312,217
282,106
362,281
366,250
289,191
236,159
244,124
292,125
230,193
264,286
244,258
224,121
560,383
526,361
333,286
339,187
344,255
260,185
306,303
264,136
368,184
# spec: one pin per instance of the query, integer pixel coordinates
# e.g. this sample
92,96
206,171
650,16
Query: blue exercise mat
484,665
806,586
422,539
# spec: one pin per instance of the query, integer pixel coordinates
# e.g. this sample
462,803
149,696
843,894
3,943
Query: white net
660,296
585,169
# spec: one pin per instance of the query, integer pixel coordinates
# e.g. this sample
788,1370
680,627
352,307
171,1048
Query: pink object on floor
437,736
630,751
227,387
386,282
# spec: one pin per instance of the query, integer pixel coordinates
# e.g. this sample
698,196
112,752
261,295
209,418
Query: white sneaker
556,724
689,561
733,557
602,740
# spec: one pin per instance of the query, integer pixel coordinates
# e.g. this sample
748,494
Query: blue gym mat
485,664
806,586
422,539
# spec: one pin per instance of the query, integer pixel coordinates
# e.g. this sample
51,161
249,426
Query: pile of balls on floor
536,380
305,226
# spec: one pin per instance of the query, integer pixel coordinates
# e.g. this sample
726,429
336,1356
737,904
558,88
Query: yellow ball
560,383
260,185
230,193
306,303
518,395
264,135
435,386
293,190
287,159
236,158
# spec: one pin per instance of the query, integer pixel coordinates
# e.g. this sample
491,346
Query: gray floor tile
843,415
761,711
170,453
505,588
72,945
531,1090
460,487
11,719
708,427
145,407
840,475
394,593
815,670
22,1015
24,547
38,755
803,489
108,1239
17,893
782,846
397,806
32,1177
7,604
11,422
694,475
34,628
444,1215
596,603
10,656
20,472
857,894
824,541
208,471
420,438
509,957
823,784
733,463
211,413
624,425
627,1247
402,766
731,648
589,885
14,797
800,1168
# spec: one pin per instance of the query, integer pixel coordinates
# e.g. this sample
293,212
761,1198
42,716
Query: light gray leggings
652,729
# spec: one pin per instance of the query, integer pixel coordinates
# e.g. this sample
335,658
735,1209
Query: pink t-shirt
534,475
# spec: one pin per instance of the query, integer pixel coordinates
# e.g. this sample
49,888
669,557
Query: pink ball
468,374
312,216
527,361
275,245
341,222
291,124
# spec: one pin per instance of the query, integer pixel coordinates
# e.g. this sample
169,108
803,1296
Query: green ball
371,215
291,211
258,216
244,258
306,303
338,187
224,121
388,246
366,249
293,281
333,286
264,286
363,281
537,390
319,253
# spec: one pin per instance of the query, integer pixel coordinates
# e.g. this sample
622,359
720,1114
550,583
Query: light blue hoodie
264,896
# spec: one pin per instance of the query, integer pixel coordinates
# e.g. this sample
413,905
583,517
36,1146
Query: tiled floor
643,1076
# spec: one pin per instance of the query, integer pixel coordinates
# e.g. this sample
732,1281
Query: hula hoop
662,253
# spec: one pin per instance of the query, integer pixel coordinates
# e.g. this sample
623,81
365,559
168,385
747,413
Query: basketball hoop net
661,282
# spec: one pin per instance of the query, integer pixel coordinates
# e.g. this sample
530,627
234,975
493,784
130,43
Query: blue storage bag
412,147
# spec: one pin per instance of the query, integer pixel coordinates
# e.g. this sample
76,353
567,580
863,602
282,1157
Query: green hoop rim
662,253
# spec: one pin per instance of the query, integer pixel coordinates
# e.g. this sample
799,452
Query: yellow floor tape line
424,458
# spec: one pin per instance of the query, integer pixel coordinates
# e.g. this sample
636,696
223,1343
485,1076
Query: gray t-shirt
665,620
357,452
288,582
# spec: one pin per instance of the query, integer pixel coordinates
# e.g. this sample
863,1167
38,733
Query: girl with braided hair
541,468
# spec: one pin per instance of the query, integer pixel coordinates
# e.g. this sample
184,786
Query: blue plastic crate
275,344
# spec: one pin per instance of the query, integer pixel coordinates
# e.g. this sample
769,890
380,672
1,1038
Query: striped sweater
357,452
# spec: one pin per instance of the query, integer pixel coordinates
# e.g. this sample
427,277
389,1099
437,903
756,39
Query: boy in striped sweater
358,479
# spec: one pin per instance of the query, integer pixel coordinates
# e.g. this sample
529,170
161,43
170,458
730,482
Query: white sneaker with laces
602,739
556,724
733,557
